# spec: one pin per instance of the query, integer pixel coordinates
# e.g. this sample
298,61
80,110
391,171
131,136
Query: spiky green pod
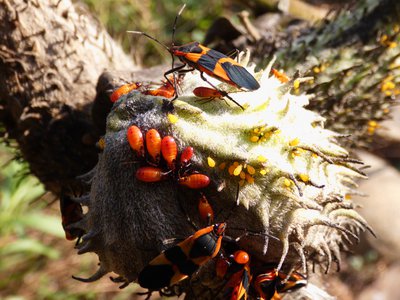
293,179
354,60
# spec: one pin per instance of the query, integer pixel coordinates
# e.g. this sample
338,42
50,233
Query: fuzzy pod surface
274,169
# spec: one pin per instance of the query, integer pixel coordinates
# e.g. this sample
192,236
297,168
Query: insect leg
225,94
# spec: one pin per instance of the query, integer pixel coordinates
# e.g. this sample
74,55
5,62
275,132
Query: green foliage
21,221
155,18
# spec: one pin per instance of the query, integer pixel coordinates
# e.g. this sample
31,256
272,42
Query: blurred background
36,262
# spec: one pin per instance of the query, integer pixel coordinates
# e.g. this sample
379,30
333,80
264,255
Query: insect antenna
175,22
173,44
150,37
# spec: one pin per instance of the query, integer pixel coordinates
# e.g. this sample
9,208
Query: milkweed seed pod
273,168
354,61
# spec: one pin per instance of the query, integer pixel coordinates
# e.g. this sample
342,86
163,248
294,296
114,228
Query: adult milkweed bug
135,139
169,151
236,270
181,261
209,61
239,276
153,145
269,284
150,174
194,181
123,90
71,212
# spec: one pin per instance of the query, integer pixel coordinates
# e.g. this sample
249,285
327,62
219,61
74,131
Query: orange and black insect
209,61
123,90
71,212
194,181
153,145
169,151
271,283
181,261
239,276
150,174
135,139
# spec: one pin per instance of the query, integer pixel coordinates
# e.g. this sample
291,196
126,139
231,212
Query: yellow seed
347,197
392,45
256,130
172,118
222,166
323,68
241,183
267,135
296,84
304,177
287,182
263,171
254,139
388,85
251,170
396,28
242,175
235,163
294,142
261,158
211,162
388,93
231,169
249,179
371,130
237,170
315,155
316,70
383,39
372,123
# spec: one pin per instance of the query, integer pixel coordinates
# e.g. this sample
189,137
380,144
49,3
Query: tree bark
51,56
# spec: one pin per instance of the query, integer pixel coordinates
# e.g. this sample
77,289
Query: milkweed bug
153,145
186,156
169,151
135,139
236,269
123,90
150,174
71,212
181,261
167,89
205,210
269,284
209,61
194,181
210,93
282,77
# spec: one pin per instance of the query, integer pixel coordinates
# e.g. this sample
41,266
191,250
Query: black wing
240,76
